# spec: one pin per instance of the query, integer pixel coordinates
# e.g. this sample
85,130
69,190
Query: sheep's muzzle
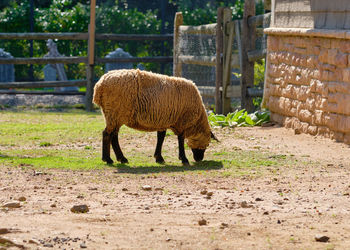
198,154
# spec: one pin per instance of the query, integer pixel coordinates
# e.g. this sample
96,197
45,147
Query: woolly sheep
152,102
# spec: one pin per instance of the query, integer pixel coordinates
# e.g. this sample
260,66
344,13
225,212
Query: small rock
146,187
258,199
80,209
244,204
202,222
22,198
53,205
249,234
38,173
204,192
4,231
266,213
278,222
82,245
168,239
48,245
321,238
12,205
124,189
209,194
223,225
33,241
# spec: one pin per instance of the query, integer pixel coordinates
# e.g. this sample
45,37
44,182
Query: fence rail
84,36
88,82
42,84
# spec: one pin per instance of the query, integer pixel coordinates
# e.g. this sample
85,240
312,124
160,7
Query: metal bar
43,60
42,84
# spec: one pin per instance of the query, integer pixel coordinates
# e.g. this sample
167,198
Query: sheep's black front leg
118,152
106,147
158,152
182,155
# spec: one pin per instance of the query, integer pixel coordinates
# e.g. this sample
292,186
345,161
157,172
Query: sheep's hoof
160,159
185,162
108,160
123,160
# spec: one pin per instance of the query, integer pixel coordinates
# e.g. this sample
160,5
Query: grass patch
71,140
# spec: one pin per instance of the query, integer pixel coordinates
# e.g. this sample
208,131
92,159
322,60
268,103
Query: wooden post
91,58
219,60
247,44
228,34
177,65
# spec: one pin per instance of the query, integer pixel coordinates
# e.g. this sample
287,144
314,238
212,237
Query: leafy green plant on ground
239,118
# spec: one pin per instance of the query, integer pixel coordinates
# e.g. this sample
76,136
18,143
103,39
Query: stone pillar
7,71
118,53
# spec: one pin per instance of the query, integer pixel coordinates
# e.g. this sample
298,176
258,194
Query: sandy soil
273,211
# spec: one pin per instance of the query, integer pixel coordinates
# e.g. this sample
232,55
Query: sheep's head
199,144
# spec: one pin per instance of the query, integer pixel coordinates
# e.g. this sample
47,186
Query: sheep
148,101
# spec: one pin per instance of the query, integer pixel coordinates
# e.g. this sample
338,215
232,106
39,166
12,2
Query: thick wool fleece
153,102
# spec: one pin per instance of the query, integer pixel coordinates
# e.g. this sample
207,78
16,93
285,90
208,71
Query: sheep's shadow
164,168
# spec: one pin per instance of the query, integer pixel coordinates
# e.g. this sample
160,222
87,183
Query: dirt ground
286,210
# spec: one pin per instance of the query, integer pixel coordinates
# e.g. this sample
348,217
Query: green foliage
69,16
239,118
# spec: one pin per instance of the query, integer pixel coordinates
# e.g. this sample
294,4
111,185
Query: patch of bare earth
286,210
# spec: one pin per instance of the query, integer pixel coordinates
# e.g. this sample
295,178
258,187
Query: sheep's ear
213,137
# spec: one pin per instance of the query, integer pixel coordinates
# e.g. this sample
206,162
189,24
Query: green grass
71,140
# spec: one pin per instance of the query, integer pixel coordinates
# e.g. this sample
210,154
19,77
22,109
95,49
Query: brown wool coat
153,102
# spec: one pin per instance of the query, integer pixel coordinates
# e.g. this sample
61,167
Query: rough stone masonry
307,84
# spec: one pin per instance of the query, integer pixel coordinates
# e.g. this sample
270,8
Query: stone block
333,107
310,62
304,126
301,51
344,124
305,116
331,121
310,104
316,74
344,46
323,130
316,50
273,43
346,75
341,60
323,56
318,117
312,130
332,55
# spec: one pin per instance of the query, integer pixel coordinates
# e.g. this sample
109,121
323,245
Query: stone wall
307,84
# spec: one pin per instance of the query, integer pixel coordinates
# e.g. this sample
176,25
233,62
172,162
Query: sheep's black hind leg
118,152
158,152
182,155
106,147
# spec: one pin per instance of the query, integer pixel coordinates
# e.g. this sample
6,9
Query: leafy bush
239,118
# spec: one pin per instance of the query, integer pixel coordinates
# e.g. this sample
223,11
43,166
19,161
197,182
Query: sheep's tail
97,97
